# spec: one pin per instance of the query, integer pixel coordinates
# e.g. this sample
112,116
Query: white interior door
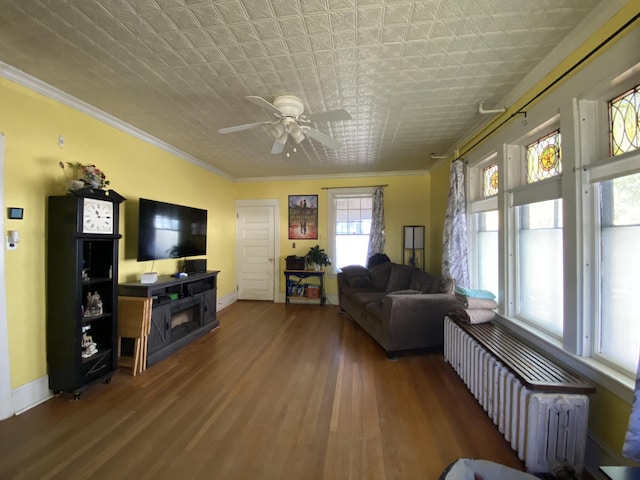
256,252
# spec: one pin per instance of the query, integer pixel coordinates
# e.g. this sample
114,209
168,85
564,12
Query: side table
299,289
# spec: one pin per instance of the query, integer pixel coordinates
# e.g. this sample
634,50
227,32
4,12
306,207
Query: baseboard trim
598,454
31,394
224,302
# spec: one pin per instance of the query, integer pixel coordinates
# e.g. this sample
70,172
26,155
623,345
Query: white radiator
546,429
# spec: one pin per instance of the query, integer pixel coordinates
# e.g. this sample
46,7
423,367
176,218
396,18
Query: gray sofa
401,307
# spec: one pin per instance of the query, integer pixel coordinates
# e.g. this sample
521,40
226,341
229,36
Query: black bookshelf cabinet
82,276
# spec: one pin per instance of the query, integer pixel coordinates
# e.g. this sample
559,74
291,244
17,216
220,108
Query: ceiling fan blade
278,145
262,103
239,128
329,116
324,139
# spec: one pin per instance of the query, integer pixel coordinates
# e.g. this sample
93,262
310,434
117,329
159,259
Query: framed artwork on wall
303,217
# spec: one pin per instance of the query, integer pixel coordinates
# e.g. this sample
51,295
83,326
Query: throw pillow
425,282
380,276
447,285
355,271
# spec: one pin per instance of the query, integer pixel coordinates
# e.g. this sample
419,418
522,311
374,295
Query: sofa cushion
375,309
425,282
404,292
399,278
380,276
364,298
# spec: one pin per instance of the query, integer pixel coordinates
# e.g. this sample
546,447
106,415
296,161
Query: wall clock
97,216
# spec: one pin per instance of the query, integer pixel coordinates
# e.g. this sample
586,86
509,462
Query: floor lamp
413,245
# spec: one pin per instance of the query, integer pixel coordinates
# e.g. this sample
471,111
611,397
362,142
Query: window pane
353,203
624,112
540,270
544,158
620,262
490,180
487,256
351,250
353,225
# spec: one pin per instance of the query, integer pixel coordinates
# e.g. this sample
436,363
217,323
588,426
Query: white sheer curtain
376,237
455,262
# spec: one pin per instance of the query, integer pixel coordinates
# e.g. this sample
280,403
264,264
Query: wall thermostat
15,213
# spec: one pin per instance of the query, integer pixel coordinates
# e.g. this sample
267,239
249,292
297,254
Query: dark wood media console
183,310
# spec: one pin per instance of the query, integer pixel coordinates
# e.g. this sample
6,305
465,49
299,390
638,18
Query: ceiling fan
291,122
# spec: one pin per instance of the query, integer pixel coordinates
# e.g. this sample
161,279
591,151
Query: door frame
275,265
7,408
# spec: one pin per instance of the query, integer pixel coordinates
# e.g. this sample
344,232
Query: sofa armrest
416,318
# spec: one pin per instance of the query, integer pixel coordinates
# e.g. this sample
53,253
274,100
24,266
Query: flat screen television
166,230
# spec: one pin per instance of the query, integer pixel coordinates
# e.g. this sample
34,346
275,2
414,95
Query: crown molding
406,173
21,78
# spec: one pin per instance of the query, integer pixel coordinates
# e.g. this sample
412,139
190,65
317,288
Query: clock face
97,216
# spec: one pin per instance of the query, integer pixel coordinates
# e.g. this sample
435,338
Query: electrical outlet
60,141
293,245
11,245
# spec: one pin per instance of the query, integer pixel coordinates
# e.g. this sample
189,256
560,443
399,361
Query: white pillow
465,468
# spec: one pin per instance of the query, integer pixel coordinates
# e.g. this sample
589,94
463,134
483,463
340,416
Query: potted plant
317,258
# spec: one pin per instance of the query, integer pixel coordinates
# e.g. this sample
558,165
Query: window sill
617,382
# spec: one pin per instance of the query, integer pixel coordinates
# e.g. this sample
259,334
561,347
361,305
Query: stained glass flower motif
490,180
544,159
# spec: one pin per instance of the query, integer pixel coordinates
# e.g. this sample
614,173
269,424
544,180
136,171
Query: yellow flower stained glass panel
544,159
490,180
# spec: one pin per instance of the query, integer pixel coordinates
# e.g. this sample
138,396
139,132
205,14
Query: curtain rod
357,186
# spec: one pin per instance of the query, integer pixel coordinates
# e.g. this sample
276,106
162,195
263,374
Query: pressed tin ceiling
410,73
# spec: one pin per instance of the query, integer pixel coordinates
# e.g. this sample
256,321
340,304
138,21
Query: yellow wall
32,123
406,202
439,197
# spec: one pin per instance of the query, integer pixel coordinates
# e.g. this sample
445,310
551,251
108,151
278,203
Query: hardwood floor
293,392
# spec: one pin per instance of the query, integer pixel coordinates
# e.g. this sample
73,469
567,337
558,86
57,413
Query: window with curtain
487,251
350,213
483,235
566,217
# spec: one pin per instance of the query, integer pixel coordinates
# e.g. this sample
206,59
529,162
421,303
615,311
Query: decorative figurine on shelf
94,305
89,347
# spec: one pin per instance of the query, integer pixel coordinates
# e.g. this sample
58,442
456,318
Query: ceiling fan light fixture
289,105
297,135
276,130
282,139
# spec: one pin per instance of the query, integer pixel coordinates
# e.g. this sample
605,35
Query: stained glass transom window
624,112
544,158
490,180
